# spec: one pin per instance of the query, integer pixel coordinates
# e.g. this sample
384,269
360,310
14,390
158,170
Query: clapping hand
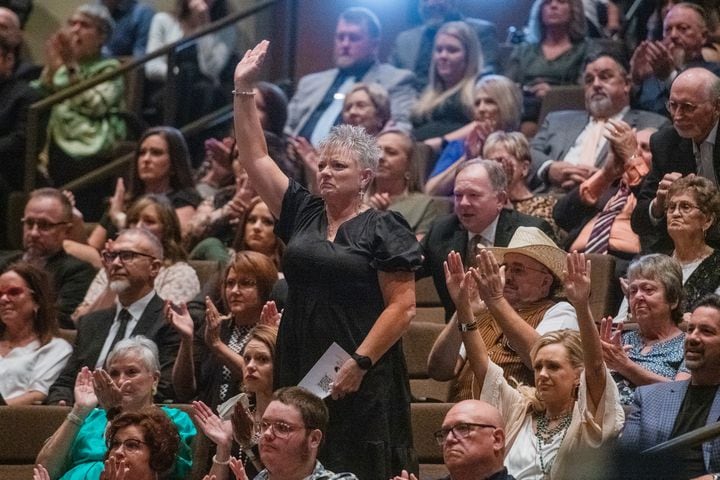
179,318
115,469
213,321
454,277
270,315
614,352
405,475
489,277
215,428
108,393
238,469
84,393
379,201
40,473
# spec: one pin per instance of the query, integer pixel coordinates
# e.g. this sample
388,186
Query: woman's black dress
334,296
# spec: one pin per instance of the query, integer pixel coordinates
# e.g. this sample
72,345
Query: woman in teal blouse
77,449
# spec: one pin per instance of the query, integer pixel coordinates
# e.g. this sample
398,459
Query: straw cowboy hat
534,243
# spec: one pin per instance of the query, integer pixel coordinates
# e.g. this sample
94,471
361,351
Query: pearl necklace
545,435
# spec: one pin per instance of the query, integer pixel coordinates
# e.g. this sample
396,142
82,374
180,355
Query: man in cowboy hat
515,305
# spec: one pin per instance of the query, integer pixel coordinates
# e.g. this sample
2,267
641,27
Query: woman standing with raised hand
350,275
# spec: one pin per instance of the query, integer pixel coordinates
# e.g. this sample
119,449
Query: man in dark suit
413,48
691,145
480,219
570,146
318,100
132,262
665,410
47,220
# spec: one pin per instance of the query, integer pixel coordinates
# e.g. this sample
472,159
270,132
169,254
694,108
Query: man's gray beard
600,107
119,286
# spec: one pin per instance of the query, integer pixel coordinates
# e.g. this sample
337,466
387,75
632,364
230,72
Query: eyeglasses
42,225
684,107
131,445
243,283
126,256
685,208
279,429
12,291
461,430
518,269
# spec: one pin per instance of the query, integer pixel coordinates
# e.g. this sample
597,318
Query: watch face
363,362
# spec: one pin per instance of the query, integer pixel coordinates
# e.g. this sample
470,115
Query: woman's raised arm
263,172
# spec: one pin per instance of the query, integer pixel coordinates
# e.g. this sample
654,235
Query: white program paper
323,373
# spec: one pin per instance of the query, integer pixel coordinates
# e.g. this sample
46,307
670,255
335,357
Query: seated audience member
413,48
480,218
510,318
176,281
47,221
161,166
652,353
83,129
209,362
10,24
467,454
31,353
286,453
570,145
666,410
690,146
132,24
447,102
655,64
498,104
597,212
132,262
317,103
693,207
257,381
574,405
602,18
79,447
204,69
557,56
17,97
512,150
397,185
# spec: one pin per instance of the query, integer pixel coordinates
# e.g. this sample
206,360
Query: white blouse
523,459
32,367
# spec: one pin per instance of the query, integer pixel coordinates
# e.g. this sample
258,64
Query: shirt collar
137,308
488,233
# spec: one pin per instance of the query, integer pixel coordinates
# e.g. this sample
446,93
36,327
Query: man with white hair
132,262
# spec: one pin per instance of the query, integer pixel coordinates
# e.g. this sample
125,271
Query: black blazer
671,153
91,334
446,233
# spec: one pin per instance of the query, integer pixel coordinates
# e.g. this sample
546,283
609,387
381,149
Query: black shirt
693,414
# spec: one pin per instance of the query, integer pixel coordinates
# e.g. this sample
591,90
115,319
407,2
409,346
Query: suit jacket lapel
103,330
571,131
504,230
671,407
149,316
713,417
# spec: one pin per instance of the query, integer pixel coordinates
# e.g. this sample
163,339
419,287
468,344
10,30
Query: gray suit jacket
311,90
407,45
560,130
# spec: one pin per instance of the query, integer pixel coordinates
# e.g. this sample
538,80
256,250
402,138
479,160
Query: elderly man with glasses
46,224
690,146
472,438
132,262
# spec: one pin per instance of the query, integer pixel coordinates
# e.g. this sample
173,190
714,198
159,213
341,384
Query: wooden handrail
36,109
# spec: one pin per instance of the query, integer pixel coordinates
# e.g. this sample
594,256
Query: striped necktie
599,238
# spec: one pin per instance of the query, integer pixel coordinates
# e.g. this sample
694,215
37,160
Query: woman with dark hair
210,374
161,166
271,103
176,281
256,232
556,59
144,443
31,353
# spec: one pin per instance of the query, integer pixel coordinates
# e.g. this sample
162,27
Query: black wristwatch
363,362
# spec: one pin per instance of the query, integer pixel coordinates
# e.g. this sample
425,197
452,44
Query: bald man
691,145
10,27
473,442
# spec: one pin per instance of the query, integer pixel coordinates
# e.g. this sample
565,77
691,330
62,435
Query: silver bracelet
72,418
245,93
218,462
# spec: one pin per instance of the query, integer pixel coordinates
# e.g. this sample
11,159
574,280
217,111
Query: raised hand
658,204
247,70
108,393
216,429
576,280
270,315
614,352
180,321
454,274
489,277
238,469
84,393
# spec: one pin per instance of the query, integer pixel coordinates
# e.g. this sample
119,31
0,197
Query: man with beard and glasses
666,410
132,262
292,430
570,145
